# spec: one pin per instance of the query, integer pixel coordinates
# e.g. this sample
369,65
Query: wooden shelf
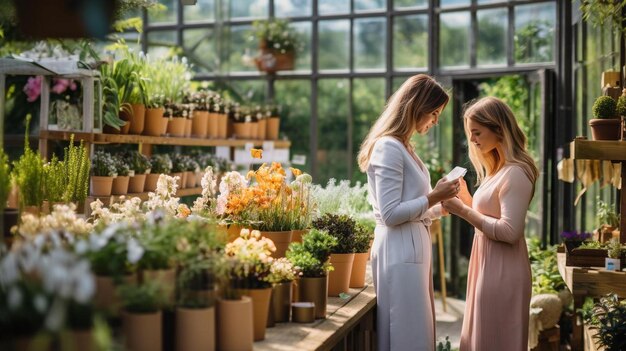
99,138
583,149
107,200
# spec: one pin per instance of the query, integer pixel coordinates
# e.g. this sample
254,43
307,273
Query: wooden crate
590,342
588,258
549,340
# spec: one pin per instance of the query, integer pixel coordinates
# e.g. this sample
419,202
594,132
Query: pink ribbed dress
499,278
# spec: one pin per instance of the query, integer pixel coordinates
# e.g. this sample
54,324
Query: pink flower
60,85
32,89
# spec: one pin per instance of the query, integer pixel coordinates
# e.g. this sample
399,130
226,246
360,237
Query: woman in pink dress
499,280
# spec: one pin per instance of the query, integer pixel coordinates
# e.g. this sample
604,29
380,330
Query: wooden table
349,325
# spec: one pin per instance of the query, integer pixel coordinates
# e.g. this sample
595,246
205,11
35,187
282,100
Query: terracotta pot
126,114
155,123
314,290
34,210
188,127
138,119
166,278
222,126
179,181
213,125
199,124
78,340
235,329
357,276
176,126
13,199
339,278
191,179
195,329
106,297
296,235
183,180
142,331
101,186
120,185
281,241
254,130
281,302
260,309
262,131
273,126
136,183
199,178
242,130
271,60
151,182
230,232
605,129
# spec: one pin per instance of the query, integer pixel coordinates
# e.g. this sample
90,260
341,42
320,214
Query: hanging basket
271,61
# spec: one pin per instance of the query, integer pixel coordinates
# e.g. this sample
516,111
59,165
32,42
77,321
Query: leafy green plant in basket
28,174
77,166
312,255
341,227
103,165
609,321
138,162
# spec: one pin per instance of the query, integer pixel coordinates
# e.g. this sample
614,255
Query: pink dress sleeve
515,193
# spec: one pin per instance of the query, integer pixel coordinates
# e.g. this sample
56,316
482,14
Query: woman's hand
454,206
464,194
443,190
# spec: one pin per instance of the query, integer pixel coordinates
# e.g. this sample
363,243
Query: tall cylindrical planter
262,132
281,302
296,235
166,278
138,119
120,185
106,296
281,241
339,277
78,340
151,182
155,123
314,290
195,329
199,124
176,126
136,183
235,329
357,277
273,127
142,331
213,125
222,126
101,186
260,307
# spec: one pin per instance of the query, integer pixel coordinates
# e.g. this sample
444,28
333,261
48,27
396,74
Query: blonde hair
416,98
495,115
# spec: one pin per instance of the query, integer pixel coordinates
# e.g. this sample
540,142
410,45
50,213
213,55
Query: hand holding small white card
457,172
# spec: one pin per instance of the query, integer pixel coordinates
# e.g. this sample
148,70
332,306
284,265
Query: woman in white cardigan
404,204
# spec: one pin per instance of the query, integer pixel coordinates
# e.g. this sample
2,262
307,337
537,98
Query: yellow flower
256,153
296,172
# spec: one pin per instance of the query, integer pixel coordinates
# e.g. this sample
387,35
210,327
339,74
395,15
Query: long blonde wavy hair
494,114
419,96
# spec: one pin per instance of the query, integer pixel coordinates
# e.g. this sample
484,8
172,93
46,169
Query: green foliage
545,271
180,163
158,240
362,238
606,214
77,168
161,164
138,162
609,320
614,249
5,179
601,12
312,255
28,175
341,227
604,107
121,166
55,180
145,298
621,105
444,345
103,165
533,42
111,99
278,35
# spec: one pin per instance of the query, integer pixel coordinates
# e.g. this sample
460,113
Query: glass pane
410,41
492,36
202,11
250,92
368,99
454,39
334,44
397,82
369,43
490,1
238,46
368,5
166,16
325,7
199,46
161,43
535,32
445,3
332,105
398,4
292,8
303,58
294,97
249,8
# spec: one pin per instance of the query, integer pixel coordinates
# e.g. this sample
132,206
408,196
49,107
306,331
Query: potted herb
281,276
278,43
102,173
614,253
29,177
362,241
200,122
120,183
55,181
344,229
605,124
140,165
142,325
76,160
159,164
608,320
177,114
311,258
608,221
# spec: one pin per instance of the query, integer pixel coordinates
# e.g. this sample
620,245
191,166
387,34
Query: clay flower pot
120,185
155,123
273,126
176,126
138,118
142,331
151,182
357,277
222,126
234,324
101,186
195,329
339,278
260,309
199,124
281,241
213,125
314,290
136,183
281,302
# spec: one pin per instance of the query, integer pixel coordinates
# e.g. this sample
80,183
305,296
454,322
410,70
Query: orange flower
296,172
256,153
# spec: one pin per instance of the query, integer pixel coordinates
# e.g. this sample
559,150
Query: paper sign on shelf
298,159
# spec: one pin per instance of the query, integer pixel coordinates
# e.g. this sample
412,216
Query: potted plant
272,114
142,325
311,258
303,204
200,122
102,173
222,114
192,169
242,122
155,123
28,175
116,111
140,165
608,320
159,164
281,276
278,43
344,229
362,241
120,183
605,124
76,160
608,221
259,115
55,181
177,115
614,253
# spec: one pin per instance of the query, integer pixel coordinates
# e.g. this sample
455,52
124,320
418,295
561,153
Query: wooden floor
449,323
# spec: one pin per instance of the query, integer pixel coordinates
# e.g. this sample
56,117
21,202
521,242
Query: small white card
457,172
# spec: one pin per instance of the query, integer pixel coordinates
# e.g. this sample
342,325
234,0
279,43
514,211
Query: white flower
40,303
9,270
134,251
14,298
